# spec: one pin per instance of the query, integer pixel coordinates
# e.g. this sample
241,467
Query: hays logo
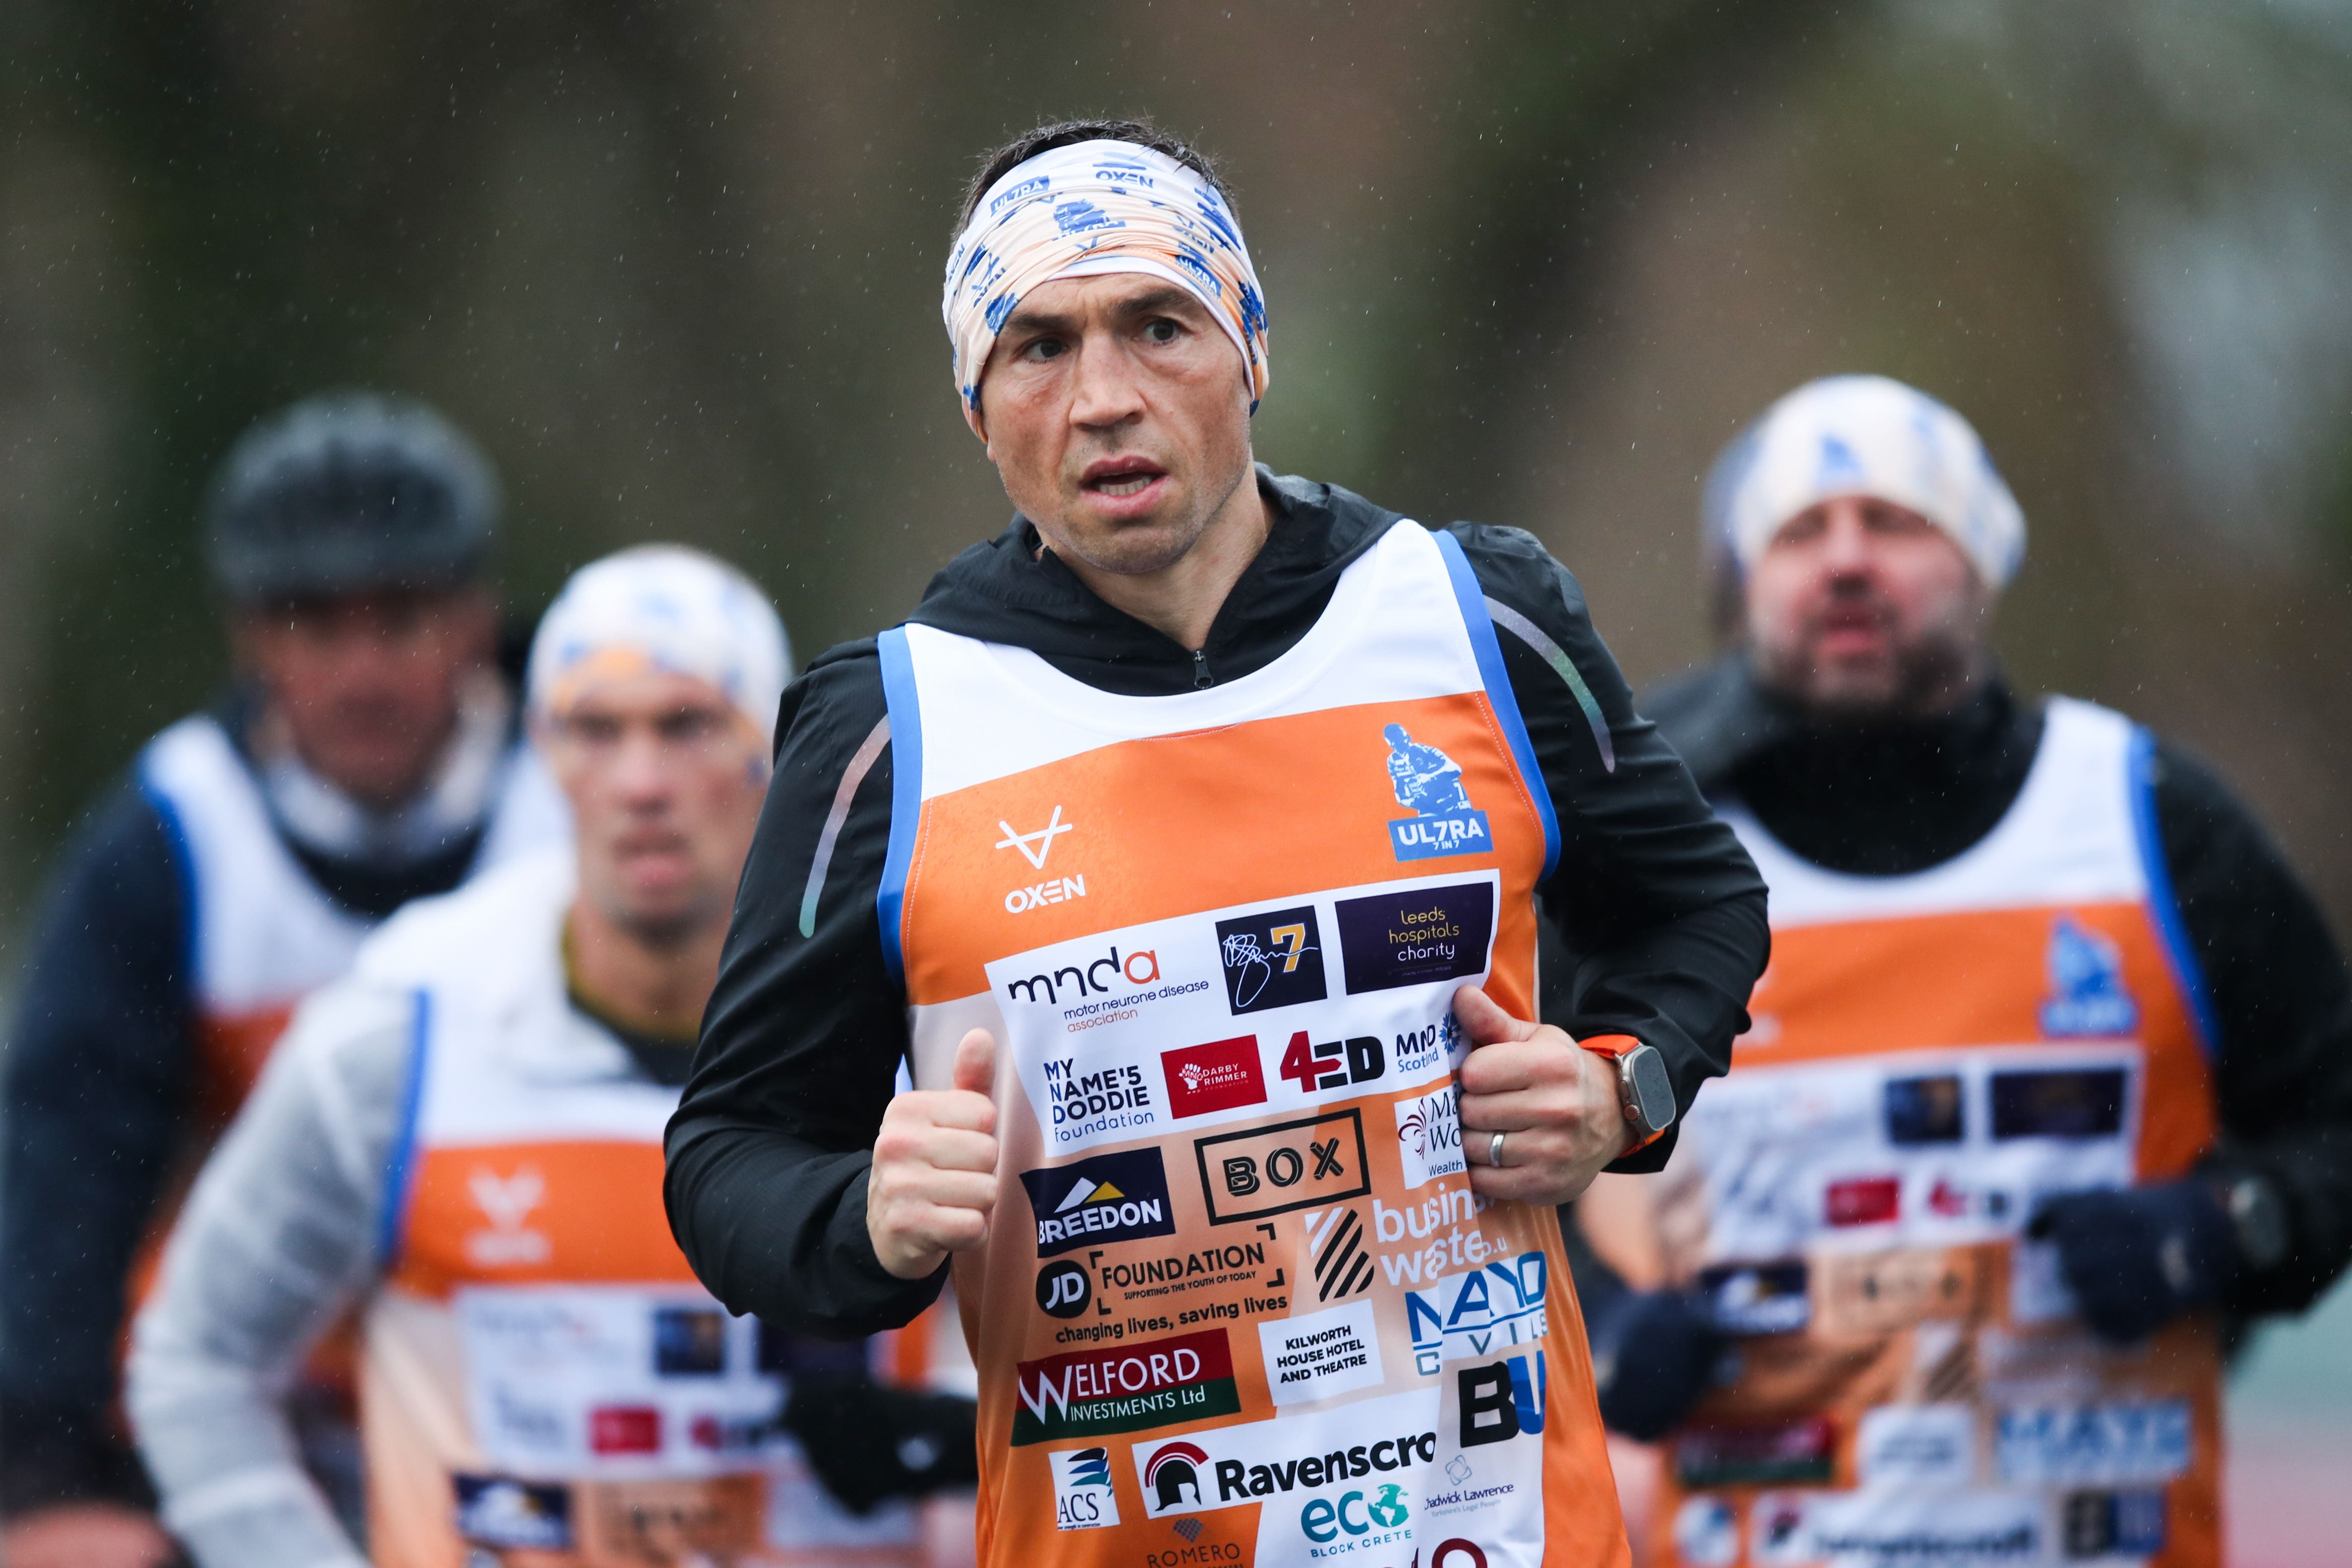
1217,1076
1100,1198
1084,1497
1099,977
1443,822
1429,1137
2087,983
1271,960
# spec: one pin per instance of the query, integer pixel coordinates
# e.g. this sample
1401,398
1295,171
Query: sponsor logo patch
1501,1401
1880,1292
1291,1165
1925,1109
2137,1440
1863,1200
1063,1289
2087,996
1916,1445
2063,1103
1395,939
1321,1353
1333,1063
1477,1314
1429,1137
1218,1076
1130,1388
1790,1453
1102,1197
1084,1497
2114,1523
1706,1532
1342,1267
1444,821
495,1512
1757,1298
1272,960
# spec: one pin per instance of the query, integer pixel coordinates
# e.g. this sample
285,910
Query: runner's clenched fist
934,1177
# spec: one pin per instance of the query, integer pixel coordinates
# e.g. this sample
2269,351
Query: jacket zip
1201,677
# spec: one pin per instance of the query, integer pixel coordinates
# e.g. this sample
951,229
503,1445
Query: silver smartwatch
1643,1088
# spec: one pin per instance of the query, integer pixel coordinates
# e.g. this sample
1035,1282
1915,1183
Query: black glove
2138,1258
868,1442
1654,1354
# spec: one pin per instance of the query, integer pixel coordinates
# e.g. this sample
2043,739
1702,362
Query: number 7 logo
1292,940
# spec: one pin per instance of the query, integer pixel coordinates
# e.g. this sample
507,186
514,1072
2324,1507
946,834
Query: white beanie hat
1864,436
663,607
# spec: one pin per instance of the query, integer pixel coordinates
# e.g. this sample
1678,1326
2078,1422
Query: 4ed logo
1291,1165
1273,959
1443,822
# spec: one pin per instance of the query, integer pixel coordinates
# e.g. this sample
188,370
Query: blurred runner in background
2051,1072
367,753
467,1134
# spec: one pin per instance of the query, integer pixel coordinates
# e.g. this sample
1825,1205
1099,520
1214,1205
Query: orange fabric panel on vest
579,1213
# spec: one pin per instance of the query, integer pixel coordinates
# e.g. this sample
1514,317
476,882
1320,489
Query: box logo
1273,959
1084,1497
1411,938
1217,1076
1443,822
1291,1165
1124,1388
1103,1198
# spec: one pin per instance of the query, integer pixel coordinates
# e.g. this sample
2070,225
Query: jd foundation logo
1104,1197
1443,822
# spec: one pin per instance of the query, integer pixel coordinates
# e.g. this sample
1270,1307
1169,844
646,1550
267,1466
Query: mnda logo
1099,977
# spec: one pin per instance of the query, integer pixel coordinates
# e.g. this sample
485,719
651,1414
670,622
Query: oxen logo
506,1203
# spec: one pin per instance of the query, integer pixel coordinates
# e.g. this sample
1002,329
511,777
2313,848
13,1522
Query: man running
1106,841
366,755
2053,1065
465,1135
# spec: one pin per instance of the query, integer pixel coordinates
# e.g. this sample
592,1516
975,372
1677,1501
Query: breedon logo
1104,1197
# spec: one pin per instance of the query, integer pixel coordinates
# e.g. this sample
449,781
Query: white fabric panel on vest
2067,839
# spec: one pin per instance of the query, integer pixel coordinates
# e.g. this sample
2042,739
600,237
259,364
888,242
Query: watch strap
1617,1047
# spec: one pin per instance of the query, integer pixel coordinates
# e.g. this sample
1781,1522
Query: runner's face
1864,607
368,684
665,779
1118,416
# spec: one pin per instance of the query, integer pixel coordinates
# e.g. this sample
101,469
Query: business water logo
1103,1198
1084,1497
1218,1076
1443,822
1124,1388
1429,1137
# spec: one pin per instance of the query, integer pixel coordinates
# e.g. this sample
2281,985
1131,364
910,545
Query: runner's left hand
1555,1101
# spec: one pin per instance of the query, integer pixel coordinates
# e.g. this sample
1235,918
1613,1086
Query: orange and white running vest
1931,1056
261,934
1238,1304
544,1382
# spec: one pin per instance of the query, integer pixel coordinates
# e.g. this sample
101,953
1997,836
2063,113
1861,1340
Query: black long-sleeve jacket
771,1146
1890,800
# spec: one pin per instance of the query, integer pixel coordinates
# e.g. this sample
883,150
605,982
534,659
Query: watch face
1652,1090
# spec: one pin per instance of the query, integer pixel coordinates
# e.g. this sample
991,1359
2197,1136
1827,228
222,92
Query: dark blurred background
677,264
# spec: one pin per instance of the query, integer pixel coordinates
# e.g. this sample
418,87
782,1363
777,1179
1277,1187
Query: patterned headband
1085,210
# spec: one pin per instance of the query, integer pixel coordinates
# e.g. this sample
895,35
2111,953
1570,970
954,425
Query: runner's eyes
1161,330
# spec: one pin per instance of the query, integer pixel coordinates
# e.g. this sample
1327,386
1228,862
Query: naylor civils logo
1443,822
1217,1076
1102,1197
1271,959
1124,1388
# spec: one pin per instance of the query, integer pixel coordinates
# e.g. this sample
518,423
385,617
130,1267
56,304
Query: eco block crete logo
1104,1197
1124,1388
1443,822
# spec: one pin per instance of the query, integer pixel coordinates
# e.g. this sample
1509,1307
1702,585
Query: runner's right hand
934,1177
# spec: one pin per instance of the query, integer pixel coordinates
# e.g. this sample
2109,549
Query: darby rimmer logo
1103,1198
1218,1076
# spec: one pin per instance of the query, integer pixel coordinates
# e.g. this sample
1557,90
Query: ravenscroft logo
1443,822
1291,1165
1126,1388
1084,1497
1410,939
1034,847
1429,1137
1478,1312
1172,1479
1273,959
1217,1076
506,1202
1103,1198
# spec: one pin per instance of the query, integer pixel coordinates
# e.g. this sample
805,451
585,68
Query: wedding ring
1495,1150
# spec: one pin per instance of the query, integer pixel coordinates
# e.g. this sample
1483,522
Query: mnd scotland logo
1443,822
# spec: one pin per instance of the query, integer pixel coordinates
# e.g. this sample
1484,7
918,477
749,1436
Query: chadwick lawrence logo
506,1203
1034,848
1217,1076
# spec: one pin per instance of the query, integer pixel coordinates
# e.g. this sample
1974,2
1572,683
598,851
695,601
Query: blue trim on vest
1470,599
184,862
906,792
392,1226
2162,904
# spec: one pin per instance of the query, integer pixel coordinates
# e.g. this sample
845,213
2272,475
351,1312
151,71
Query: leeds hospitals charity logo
1443,822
